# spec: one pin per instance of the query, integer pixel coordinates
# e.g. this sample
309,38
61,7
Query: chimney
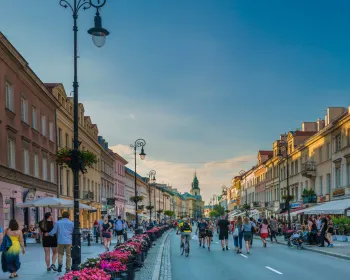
283,137
309,126
106,145
320,124
334,112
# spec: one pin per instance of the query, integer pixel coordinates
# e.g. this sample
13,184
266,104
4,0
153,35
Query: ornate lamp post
151,180
284,145
138,143
99,38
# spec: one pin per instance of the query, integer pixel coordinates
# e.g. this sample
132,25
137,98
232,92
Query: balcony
308,169
87,196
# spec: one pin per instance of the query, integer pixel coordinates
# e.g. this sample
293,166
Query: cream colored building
90,183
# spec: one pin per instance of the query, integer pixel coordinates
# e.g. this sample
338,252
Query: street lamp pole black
151,180
138,143
99,37
284,144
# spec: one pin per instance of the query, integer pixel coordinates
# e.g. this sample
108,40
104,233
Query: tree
219,209
213,214
169,213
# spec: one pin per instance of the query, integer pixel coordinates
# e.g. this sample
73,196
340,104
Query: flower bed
122,260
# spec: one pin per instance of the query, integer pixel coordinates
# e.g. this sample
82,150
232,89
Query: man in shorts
223,226
119,228
201,231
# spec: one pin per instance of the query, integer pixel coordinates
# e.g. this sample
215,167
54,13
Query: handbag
235,232
6,243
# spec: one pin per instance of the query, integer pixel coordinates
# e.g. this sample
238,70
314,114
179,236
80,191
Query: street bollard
89,239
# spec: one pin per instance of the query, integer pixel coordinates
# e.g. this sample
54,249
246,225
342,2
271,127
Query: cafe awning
332,207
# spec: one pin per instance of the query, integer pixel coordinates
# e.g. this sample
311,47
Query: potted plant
85,159
140,207
149,207
137,198
289,198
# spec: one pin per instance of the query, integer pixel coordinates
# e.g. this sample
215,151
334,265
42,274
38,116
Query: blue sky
200,80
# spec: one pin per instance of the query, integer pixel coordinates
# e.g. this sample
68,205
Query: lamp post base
76,250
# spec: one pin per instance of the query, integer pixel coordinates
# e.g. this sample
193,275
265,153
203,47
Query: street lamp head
142,154
98,32
153,180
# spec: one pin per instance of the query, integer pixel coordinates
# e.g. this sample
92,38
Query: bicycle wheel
182,248
187,248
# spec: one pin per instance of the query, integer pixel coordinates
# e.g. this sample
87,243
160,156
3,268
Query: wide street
274,262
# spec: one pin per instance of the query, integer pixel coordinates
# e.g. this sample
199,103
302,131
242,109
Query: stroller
296,239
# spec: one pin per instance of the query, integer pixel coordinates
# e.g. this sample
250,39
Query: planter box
341,238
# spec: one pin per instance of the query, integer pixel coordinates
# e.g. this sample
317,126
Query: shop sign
110,201
338,192
294,205
104,212
30,195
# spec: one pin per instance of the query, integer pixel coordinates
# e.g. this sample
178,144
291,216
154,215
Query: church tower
195,190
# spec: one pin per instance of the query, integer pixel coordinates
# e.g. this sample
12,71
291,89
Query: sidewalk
340,249
33,265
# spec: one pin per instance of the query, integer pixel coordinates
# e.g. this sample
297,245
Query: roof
303,133
268,153
128,170
50,86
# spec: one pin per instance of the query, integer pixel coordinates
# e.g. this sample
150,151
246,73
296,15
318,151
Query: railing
88,195
309,166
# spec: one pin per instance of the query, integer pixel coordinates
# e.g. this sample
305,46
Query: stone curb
156,273
331,254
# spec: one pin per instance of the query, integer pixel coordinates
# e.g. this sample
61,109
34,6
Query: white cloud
211,175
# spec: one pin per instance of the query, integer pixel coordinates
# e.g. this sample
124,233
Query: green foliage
307,192
343,224
149,207
213,214
169,213
219,209
136,198
285,197
64,158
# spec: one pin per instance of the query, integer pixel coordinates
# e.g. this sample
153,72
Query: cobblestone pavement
165,269
148,268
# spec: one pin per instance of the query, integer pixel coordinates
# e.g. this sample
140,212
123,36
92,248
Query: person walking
253,224
323,230
238,234
329,231
45,226
209,233
312,228
223,226
100,223
119,229
264,231
247,233
106,233
201,231
273,229
64,230
10,258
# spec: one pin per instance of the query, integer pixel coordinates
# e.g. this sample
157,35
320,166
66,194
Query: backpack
186,226
119,225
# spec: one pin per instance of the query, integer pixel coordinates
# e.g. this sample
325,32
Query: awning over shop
332,207
294,212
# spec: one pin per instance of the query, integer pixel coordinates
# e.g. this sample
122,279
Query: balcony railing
308,169
88,195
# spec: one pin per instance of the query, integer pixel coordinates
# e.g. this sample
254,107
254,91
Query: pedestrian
106,233
119,229
264,231
25,232
253,224
323,230
96,231
223,226
201,230
238,234
46,225
312,227
273,229
329,231
64,230
2,235
209,233
247,233
10,258
100,222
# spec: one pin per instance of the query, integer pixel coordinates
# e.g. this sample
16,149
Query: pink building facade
27,138
119,185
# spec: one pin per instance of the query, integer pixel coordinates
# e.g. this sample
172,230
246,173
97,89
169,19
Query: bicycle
185,246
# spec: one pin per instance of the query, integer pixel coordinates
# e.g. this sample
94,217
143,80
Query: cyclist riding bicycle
186,229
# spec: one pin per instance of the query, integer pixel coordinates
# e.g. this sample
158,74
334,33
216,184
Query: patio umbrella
53,202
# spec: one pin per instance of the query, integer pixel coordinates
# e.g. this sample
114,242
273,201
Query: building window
51,134
44,169
338,142
61,179
337,177
11,153
297,166
59,137
329,155
320,155
321,185
68,181
43,125
9,97
36,165
348,174
67,140
52,172
24,110
26,161
34,118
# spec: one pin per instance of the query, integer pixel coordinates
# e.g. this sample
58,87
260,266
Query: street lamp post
99,37
138,143
284,144
151,180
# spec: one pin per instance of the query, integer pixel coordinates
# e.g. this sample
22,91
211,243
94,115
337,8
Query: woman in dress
106,233
10,258
264,231
46,226
238,234
247,233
